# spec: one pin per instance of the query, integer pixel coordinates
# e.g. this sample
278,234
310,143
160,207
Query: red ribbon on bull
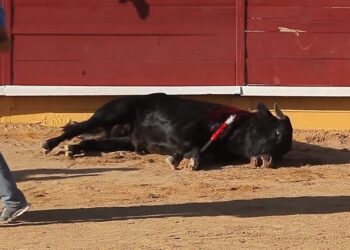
219,131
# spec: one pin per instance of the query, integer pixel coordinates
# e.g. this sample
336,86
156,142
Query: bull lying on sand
168,125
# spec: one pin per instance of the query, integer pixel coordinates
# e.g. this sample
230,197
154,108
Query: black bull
168,125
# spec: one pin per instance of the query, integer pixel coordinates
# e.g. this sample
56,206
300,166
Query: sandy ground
127,201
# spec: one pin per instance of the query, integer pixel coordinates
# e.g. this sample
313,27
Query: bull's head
264,138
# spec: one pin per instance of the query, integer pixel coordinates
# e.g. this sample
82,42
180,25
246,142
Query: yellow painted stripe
305,113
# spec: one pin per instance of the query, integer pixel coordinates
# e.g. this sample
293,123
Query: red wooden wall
104,42
317,54
182,42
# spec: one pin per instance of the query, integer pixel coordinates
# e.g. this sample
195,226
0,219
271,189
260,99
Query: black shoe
9,214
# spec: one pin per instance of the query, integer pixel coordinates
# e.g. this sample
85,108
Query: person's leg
13,199
10,194
5,43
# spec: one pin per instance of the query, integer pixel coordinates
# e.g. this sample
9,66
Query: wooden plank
298,72
125,48
298,45
316,14
137,74
275,25
81,3
316,19
123,20
299,3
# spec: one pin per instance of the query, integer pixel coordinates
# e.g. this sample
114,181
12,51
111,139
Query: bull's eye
277,132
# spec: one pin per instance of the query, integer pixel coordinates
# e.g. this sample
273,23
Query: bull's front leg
174,160
187,160
193,157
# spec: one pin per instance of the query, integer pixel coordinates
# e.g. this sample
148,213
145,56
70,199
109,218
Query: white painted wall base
10,90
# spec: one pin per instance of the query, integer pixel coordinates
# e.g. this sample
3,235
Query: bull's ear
263,111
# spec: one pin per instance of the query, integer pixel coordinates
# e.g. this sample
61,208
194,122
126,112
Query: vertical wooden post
6,59
241,6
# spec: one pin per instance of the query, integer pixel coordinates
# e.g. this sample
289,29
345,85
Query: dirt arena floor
126,201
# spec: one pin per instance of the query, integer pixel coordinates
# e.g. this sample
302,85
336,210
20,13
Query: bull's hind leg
108,145
69,132
112,113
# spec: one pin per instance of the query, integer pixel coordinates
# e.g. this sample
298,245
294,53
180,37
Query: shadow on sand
304,154
45,174
279,206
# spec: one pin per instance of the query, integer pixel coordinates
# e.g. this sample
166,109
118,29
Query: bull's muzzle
261,161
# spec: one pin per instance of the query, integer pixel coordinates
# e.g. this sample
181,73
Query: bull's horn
279,113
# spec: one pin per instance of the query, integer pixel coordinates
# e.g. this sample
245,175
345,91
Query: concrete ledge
10,90
115,90
295,91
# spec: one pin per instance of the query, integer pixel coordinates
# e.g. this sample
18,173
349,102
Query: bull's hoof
194,164
170,161
191,163
261,161
46,147
68,151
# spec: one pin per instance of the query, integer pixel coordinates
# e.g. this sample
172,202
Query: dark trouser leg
11,196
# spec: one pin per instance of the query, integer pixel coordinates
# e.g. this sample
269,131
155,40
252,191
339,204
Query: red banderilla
219,131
